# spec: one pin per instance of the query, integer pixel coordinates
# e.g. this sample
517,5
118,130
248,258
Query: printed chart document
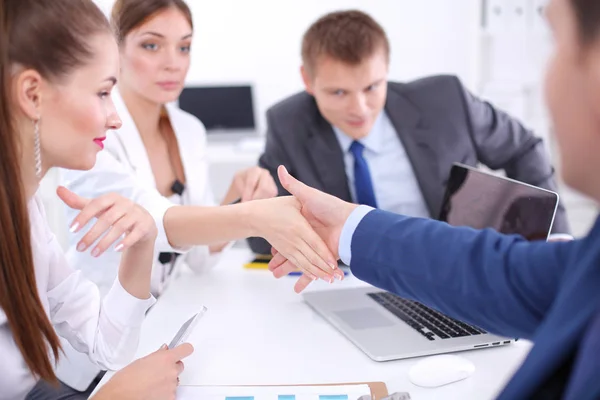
342,392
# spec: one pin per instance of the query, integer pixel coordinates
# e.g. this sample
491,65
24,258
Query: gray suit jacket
438,122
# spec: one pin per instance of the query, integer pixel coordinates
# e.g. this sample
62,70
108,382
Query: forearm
193,225
501,283
217,248
106,392
232,197
135,269
503,143
533,167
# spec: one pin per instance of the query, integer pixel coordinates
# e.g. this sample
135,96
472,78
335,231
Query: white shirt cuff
345,244
560,237
124,309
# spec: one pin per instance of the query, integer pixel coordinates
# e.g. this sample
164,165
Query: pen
299,273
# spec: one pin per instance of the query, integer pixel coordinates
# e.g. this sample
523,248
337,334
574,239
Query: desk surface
258,331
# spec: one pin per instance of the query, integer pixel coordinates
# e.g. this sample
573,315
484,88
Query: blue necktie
362,177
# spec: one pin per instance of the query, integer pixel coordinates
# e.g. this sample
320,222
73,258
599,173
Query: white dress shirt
107,330
123,167
394,182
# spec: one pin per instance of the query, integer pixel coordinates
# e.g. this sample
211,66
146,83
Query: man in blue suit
548,293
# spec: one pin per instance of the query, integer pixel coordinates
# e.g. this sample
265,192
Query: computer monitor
481,200
223,109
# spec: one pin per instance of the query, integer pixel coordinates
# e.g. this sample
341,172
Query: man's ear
306,78
28,90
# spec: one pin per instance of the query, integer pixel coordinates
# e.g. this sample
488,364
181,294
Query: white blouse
124,167
108,330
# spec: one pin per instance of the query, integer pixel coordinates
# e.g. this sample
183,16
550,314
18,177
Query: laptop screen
481,200
220,108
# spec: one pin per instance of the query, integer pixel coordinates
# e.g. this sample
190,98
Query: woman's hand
121,221
326,214
116,216
154,377
280,222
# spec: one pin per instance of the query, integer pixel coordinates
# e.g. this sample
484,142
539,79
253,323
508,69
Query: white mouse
440,370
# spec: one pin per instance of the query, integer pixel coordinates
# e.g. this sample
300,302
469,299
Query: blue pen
298,273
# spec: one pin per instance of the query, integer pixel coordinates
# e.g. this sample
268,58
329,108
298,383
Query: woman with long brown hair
59,62
55,107
158,159
163,147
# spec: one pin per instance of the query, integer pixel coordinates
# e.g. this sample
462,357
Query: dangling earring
37,149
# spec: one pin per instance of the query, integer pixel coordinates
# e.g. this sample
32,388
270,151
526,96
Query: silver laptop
388,327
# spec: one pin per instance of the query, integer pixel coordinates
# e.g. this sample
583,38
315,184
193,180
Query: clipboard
378,389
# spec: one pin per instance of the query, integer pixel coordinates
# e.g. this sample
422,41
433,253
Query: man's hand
325,213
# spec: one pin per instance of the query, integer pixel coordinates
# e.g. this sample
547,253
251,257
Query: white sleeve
107,331
108,176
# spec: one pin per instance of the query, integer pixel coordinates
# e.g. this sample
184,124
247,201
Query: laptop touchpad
364,318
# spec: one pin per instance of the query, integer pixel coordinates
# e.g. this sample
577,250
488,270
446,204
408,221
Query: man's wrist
353,219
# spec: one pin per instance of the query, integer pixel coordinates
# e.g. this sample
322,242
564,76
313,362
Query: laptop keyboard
429,323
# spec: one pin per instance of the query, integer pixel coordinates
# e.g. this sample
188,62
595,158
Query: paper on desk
349,392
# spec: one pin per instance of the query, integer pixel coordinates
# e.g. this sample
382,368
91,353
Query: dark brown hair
51,37
348,36
587,13
129,14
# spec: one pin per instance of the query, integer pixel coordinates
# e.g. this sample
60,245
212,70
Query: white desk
258,331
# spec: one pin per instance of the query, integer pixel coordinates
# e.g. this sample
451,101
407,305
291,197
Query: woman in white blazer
158,159
55,109
161,146
126,146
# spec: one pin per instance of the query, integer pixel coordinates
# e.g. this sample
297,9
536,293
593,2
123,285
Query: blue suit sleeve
500,283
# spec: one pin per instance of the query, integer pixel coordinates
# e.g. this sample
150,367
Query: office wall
258,41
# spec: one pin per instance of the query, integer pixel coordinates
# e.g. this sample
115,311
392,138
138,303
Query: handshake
326,216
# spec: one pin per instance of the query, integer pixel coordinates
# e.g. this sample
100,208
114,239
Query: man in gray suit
390,145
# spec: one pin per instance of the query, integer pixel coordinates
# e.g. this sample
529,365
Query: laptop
227,112
388,327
